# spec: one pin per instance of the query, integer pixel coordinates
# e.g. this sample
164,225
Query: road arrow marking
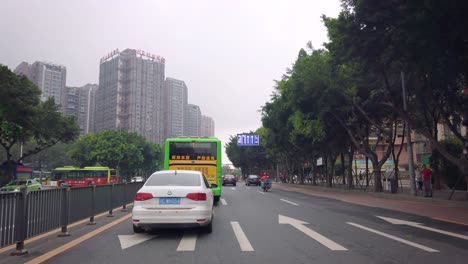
289,202
241,237
127,241
188,242
394,238
223,202
298,224
419,225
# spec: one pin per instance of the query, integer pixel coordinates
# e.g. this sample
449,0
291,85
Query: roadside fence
26,214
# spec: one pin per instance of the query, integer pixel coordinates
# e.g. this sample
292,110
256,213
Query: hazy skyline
227,52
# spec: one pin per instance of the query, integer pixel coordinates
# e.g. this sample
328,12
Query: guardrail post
93,201
21,223
65,214
111,200
124,203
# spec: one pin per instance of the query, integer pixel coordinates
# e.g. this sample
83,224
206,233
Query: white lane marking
428,249
232,188
261,192
188,242
127,241
299,225
418,225
241,237
248,188
289,202
223,202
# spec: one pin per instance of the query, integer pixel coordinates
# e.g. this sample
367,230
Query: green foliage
24,119
449,172
128,152
249,159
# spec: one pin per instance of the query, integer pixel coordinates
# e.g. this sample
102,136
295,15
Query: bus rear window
192,150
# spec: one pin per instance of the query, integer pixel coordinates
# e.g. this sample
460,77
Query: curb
383,195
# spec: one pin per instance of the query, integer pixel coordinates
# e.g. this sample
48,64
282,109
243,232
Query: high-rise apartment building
193,121
87,107
207,126
129,94
71,101
175,103
80,103
50,79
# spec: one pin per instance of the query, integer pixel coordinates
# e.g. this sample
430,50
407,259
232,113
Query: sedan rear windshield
171,179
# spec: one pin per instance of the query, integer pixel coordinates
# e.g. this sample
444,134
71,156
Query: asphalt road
251,226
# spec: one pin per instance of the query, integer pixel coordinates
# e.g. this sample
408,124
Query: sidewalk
436,208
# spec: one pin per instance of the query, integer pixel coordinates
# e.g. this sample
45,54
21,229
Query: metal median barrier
26,214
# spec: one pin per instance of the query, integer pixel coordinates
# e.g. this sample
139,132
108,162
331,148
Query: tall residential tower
129,94
175,103
50,78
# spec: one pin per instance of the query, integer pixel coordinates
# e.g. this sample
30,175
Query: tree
425,39
128,152
24,119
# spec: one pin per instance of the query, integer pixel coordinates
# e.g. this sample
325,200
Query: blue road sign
248,140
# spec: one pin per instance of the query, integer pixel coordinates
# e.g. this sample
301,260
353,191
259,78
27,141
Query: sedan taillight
196,196
143,196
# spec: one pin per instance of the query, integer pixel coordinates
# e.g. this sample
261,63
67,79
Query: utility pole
409,147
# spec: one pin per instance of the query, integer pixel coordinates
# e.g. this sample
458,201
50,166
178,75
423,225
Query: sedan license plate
169,200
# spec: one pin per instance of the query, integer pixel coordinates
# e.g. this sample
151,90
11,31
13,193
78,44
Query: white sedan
173,199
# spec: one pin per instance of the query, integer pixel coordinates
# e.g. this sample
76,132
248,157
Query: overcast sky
228,52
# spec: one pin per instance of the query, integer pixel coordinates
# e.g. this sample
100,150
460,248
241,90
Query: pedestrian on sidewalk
418,178
426,177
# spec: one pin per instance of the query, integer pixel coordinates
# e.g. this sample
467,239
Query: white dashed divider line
286,201
261,192
232,188
188,242
241,237
428,249
223,202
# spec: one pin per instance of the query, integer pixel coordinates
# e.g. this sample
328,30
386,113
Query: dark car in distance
252,179
229,179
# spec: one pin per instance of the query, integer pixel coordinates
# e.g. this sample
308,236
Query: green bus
196,153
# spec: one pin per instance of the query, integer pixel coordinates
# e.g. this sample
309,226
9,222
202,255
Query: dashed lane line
428,249
223,202
241,237
286,201
188,242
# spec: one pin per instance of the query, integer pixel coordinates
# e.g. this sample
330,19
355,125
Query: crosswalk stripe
241,237
394,238
188,242
223,202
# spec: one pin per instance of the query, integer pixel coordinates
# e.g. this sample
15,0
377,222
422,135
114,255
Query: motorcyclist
264,177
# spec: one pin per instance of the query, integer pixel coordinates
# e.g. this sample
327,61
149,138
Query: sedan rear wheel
137,229
209,228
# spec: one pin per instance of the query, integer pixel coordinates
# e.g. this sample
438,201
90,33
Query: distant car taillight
143,196
196,196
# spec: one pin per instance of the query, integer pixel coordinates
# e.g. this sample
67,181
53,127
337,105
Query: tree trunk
343,168
377,175
350,170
